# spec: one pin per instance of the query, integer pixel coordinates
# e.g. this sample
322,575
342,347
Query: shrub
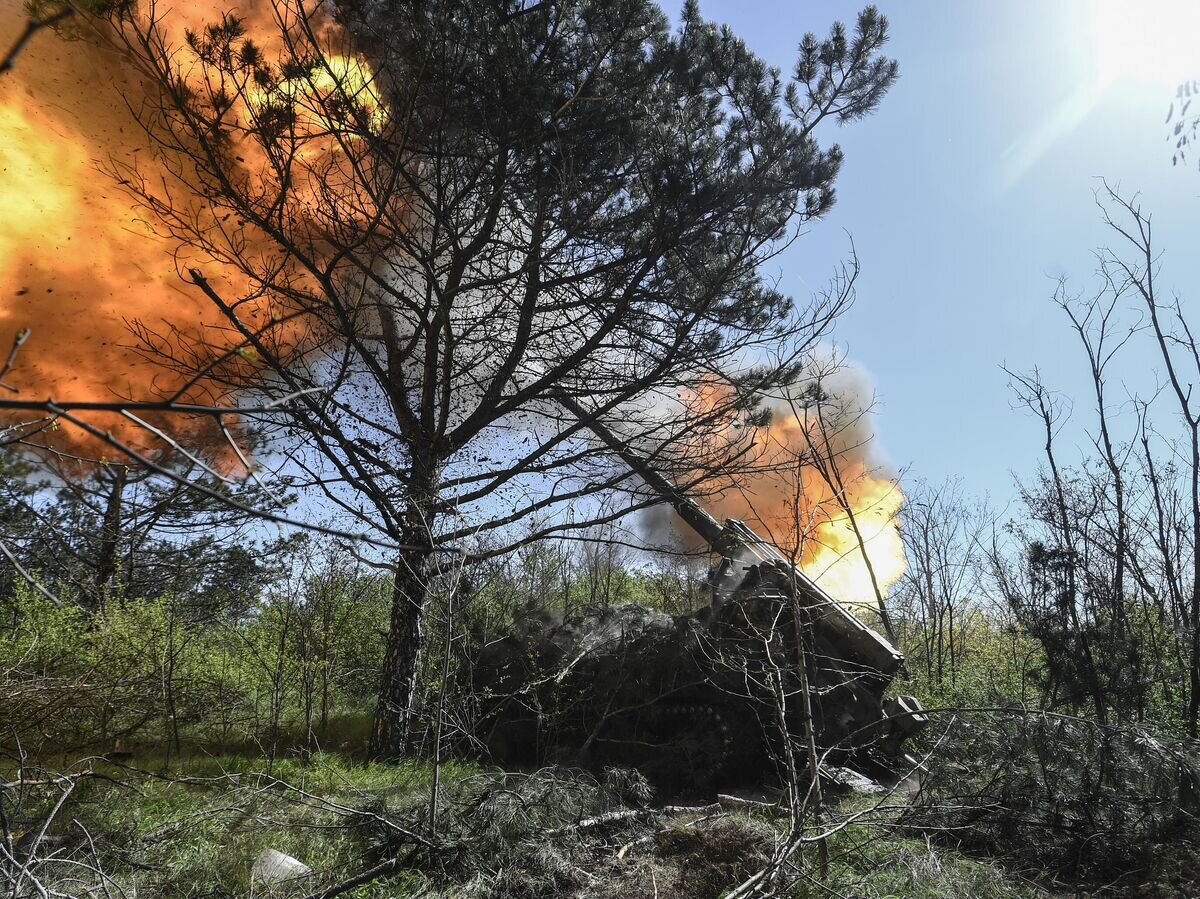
1061,796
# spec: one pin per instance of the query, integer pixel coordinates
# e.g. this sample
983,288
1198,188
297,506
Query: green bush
144,674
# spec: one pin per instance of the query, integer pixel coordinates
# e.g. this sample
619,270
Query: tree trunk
110,538
410,590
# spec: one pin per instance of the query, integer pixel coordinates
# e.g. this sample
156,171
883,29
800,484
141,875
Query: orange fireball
80,260
817,491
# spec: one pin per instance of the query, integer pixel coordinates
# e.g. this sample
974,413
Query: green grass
193,829
873,862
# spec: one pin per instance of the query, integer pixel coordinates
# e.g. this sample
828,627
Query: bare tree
1056,609
604,563
1179,355
1110,579
939,594
826,418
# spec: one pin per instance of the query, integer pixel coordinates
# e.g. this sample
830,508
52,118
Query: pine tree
527,198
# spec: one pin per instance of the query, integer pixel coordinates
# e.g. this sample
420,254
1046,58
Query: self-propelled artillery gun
696,701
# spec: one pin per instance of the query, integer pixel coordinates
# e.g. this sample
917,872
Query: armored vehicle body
696,701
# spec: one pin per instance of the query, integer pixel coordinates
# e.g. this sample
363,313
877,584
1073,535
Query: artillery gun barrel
689,510
860,643
738,542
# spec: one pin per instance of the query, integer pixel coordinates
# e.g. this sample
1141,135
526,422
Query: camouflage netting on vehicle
692,701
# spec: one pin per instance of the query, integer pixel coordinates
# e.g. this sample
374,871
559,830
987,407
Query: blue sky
971,190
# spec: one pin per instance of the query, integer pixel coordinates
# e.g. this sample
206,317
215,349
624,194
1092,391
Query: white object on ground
274,871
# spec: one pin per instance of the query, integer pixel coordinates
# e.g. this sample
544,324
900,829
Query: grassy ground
194,830
875,862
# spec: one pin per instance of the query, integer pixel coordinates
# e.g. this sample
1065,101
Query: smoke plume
820,487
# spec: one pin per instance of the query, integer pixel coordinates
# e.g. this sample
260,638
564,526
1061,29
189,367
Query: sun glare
1151,41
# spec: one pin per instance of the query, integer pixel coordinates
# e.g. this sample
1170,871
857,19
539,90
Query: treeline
290,667
277,644
292,664
1084,597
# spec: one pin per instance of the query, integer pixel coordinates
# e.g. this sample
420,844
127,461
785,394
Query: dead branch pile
550,833
1085,803
44,851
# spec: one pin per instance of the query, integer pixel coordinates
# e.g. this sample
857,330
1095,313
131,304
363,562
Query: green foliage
995,664
298,670
558,577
